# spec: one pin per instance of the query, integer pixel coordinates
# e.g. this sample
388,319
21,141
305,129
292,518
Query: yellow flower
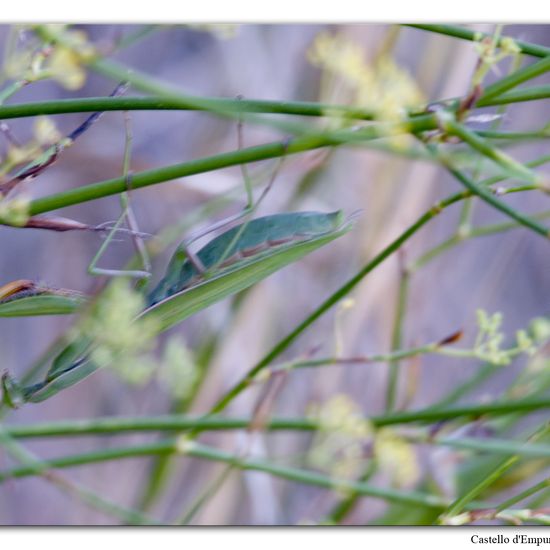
121,341
381,86
15,211
71,52
64,67
45,131
179,372
343,435
396,457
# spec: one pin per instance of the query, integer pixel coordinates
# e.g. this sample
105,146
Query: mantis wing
301,233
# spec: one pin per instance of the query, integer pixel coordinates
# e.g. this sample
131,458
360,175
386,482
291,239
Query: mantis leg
127,215
248,210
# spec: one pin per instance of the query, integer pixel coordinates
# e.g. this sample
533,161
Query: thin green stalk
544,133
540,161
11,89
182,103
37,467
516,78
483,373
464,33
252,154
178,422
532,93
474,232
469,232
490,198
541,486
137,35
492,445
343,508
494,201
397,338
206,495
196,450
436,251
492,229
458,505
398,355
484,147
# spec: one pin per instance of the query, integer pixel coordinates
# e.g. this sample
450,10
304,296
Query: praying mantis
234,260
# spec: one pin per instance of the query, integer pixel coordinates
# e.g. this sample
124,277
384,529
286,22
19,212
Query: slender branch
182,102
178,422
196,450
37,467
464,33
206,164
517,77
541,486
465,500
494,201
484,193
492,445
397,334
516,96
484,147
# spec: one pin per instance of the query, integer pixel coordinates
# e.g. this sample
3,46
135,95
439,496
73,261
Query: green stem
541,486
37,467
462,502
345,506
543,133
182,103
492,446
484,147
464,33
178,422
473,383
481,191
397,338
467,232
474,232
516,78
517,96
492,200
252,154
197,450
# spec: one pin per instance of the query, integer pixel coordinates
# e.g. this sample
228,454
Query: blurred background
508,273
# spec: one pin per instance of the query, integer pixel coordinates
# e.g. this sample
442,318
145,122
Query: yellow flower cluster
121,341
381,86
14,211
63,61
396,457
346,441
489,56
178,373
342,437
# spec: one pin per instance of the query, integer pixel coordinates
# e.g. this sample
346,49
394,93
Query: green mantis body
259,238
235,260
